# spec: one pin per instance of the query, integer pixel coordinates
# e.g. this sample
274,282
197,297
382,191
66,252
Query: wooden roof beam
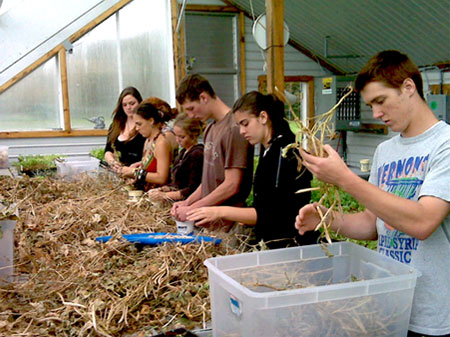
275,46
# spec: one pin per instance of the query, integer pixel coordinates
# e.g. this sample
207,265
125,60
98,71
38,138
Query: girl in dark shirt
261,121
186,172
124,144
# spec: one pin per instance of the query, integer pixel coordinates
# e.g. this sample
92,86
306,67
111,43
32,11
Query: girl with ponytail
151,117
262,121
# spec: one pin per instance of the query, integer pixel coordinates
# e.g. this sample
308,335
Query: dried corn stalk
315,137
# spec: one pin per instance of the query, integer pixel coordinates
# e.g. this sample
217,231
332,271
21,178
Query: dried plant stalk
315,137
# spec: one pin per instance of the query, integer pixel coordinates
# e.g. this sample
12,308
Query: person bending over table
153,170
186,172
261,120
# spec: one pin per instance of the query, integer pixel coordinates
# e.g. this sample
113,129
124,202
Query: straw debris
312,139
68,284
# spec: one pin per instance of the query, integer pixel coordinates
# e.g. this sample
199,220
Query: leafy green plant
37,165
36,162
349,205
98,153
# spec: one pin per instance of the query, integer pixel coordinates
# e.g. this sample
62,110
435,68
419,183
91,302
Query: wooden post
311,109
275,45
178,44
182,55
242,53
175,41
64,88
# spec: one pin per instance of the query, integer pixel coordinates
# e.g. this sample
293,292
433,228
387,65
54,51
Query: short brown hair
192,86
392,68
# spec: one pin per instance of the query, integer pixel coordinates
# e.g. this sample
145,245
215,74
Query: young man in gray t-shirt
407,198
228,157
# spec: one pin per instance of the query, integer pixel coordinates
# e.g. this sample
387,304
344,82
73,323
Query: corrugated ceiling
358,29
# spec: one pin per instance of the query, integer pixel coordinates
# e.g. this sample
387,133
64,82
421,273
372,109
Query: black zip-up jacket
275,183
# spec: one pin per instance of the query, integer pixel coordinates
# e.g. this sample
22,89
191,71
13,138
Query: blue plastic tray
161,237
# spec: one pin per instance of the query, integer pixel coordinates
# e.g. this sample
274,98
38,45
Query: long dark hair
119,116
254,102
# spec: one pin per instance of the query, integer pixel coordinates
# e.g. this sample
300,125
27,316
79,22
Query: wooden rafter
51,133
242,77
64,89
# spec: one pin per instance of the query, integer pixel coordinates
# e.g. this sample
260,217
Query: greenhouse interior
224,168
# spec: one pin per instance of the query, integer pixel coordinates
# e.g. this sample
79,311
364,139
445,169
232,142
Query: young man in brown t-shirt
228,157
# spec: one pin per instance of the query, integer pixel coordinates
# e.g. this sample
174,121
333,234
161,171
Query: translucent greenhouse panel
225,86
93,77
33,102
145,47
217,38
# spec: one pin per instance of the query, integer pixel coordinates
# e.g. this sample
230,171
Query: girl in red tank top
153,170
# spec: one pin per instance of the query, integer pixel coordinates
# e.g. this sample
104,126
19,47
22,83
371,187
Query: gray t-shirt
412,168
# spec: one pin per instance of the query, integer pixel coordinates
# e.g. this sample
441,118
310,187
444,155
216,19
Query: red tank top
152,166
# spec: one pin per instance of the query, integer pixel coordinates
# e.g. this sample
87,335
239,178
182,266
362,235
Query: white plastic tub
71,168
301,291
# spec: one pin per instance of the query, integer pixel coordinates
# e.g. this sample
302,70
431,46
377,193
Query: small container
185,227
6,250
71,168
365,165
135,195
3,156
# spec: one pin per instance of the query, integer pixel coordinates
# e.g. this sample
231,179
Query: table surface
5,172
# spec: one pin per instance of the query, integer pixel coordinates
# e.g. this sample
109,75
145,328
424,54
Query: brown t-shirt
226,148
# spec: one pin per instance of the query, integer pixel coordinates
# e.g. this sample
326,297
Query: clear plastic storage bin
341,290
71,168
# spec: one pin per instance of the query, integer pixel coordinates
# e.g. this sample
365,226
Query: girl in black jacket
261,120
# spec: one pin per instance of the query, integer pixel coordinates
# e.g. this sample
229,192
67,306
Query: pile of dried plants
68,284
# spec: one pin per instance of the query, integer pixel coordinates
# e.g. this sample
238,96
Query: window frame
60,52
